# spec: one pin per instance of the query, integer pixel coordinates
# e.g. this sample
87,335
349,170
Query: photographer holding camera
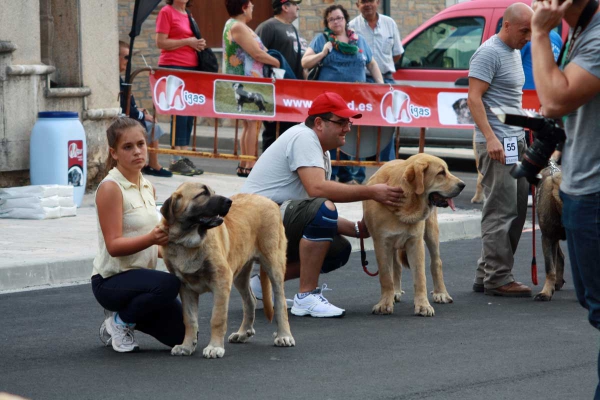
496,79
574,91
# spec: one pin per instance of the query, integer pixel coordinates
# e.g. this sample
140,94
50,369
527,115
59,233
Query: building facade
56,55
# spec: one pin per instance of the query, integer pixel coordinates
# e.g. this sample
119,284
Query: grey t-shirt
282,37
581,153
275,173
500,66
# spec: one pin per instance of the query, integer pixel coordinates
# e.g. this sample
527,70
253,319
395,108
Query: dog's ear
169,208
414,175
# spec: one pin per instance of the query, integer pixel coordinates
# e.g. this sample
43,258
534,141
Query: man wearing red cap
294,172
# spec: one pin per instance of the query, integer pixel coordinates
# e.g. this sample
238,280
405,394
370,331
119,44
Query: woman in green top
244,54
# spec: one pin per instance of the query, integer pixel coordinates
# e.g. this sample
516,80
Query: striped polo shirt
500,66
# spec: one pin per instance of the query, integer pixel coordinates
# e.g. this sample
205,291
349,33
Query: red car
437,54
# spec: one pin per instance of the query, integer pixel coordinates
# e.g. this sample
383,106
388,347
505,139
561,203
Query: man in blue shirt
555,41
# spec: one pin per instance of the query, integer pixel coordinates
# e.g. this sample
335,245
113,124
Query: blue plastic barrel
58,152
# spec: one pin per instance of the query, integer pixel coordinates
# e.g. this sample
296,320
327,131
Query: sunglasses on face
341,122
367,1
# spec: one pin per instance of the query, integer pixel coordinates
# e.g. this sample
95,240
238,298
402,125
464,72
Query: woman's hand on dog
388,195
160,235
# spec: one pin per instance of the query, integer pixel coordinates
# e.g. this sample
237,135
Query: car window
448,44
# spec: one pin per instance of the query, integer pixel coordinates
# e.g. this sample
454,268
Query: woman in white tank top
124,277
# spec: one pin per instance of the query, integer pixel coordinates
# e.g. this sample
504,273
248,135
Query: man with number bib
496,79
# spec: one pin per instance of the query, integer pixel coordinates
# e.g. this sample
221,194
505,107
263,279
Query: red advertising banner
178,92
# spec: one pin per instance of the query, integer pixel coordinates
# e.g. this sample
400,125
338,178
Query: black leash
363,253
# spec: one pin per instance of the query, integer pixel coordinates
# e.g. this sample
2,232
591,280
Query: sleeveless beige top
139,218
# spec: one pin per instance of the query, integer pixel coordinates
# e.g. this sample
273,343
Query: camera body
548,135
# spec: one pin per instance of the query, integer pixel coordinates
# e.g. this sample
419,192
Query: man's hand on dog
388,195
197,44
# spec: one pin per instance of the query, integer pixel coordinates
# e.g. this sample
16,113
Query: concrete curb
450,230
45,274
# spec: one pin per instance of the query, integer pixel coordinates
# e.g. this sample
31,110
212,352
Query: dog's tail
265,284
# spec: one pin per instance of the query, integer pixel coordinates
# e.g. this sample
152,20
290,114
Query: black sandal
243,172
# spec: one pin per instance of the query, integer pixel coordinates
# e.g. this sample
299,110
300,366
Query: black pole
128,69
127,93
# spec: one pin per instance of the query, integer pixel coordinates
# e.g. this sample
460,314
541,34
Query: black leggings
147,298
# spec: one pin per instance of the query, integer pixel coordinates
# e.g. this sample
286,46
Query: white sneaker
529,201
122,338
316,305
104,335
257,290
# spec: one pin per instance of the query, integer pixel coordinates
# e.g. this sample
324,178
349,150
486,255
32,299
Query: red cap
329,102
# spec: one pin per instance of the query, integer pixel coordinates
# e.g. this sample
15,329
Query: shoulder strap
298,52
194,25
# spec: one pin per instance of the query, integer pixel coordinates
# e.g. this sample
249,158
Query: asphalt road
479,347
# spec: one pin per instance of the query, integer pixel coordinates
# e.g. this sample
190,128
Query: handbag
207,61
313,73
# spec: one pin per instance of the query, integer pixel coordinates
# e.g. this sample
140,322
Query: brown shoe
513,289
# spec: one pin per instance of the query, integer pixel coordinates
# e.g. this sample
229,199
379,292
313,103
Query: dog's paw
211,351
283,340
443,298
241,337
424,309
383,308
543,297
181,350
477,199
398,296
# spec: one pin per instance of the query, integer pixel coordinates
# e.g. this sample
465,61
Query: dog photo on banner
244,98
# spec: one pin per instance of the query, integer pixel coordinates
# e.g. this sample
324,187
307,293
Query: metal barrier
194,152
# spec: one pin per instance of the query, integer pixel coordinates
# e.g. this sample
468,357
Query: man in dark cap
294,172
279,34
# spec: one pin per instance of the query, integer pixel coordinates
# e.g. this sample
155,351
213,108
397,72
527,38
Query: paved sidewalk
53,252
